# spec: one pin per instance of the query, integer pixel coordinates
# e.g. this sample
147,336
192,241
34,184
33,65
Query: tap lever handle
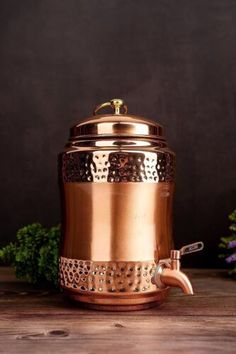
194,247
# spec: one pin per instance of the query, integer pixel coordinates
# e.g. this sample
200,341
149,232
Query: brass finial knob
115,103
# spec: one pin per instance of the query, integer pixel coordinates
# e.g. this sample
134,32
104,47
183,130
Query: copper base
118,302
122,308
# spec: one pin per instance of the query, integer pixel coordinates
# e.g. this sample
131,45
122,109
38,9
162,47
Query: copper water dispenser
117,180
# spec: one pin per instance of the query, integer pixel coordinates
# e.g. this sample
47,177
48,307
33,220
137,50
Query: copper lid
119,124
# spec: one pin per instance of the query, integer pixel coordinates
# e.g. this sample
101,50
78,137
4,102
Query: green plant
228,245
34,255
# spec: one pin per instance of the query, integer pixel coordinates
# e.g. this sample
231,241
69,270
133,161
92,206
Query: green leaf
34,255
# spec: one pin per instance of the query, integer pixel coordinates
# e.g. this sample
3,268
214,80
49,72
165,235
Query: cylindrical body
116,180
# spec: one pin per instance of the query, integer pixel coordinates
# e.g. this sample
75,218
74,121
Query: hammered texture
106,277
111,167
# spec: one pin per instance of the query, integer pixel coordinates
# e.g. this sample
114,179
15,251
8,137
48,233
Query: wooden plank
37,321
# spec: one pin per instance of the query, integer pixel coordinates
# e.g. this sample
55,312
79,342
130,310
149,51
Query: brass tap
168,271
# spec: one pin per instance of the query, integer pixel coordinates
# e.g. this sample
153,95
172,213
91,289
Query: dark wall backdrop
171,60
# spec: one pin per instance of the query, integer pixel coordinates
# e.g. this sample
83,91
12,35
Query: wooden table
38,321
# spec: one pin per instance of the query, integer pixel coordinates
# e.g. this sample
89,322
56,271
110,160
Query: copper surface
117,221
116,125
107,277
172,277
168,273
111,166
120,301
117,181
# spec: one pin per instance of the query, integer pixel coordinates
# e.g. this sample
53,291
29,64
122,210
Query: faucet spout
168,271
176,278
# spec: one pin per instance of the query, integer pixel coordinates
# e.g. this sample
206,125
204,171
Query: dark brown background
173,61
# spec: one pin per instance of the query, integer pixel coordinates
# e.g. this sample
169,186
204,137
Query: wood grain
35,320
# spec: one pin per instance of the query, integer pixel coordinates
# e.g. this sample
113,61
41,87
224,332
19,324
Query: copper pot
117,182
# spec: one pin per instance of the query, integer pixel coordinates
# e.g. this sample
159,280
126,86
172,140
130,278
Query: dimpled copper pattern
102,166
111,277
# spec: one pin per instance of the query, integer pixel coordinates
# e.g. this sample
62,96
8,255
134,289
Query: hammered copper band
105,166
106,277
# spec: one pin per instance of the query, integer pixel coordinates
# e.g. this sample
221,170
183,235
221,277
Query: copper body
117,183
118,221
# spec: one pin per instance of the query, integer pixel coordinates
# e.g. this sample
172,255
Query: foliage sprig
34,255
228,245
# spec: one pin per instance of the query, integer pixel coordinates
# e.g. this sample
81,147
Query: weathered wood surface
38,321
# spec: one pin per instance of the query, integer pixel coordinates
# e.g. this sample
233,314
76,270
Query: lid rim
116,125
139,119
124,135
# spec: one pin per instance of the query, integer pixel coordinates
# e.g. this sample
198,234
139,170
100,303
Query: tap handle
193,247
